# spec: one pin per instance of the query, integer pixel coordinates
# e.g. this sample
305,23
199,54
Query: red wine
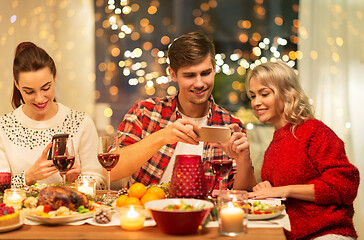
63,163
222,167
108,160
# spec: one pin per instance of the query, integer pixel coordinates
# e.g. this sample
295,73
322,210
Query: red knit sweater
313,155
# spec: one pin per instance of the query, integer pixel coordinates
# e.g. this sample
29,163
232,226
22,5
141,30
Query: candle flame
132,213
231,205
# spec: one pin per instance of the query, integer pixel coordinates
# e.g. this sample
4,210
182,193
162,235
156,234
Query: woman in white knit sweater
26,132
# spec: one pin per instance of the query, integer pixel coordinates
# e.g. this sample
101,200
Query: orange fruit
121,200
133,201
149,197
137,190
157,191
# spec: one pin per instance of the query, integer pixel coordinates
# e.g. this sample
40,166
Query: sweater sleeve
339,179
89,164
4,163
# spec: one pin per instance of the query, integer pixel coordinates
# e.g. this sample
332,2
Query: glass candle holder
86,185
5,181
132,217
13,197
232,214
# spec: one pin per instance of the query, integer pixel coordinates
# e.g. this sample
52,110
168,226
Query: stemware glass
221,167
108,156
63,155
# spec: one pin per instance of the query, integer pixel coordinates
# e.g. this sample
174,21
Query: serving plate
12,227
263,216
58,220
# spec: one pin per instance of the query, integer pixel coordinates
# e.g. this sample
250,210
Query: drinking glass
221,168
107,155
63,155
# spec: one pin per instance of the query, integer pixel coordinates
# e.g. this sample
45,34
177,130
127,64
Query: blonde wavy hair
284,82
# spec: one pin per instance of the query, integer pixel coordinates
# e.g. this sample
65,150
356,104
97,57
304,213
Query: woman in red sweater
305,162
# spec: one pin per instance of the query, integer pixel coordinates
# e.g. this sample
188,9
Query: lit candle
132,218
14,197
86,185
231,218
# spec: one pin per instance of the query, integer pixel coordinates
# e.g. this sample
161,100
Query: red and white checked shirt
151,115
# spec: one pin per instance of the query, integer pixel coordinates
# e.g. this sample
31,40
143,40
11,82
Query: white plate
263,216
12,227
58,220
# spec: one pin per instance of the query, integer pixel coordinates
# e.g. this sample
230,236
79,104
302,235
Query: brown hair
284,82
190,48
28,58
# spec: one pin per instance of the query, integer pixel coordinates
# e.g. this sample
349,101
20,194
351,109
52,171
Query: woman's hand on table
41,169
266,190
73,173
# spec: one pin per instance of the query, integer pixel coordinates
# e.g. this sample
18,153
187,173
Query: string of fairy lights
133,56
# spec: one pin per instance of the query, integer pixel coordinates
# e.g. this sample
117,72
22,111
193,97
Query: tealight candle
13,197
231,218
86,185
132,218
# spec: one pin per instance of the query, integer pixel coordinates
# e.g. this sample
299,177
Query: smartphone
62,149
213,134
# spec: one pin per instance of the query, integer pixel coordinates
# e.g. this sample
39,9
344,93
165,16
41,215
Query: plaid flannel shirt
151,115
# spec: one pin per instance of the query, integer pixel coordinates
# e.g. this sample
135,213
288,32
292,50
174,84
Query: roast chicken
62,196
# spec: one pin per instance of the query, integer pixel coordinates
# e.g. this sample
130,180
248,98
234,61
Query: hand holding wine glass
107,156
63,155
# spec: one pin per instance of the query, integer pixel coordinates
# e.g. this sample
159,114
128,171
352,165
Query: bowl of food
179,216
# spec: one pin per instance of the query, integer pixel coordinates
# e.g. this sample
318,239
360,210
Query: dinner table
87,231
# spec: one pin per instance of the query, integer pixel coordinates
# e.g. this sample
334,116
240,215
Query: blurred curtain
331,40
65,29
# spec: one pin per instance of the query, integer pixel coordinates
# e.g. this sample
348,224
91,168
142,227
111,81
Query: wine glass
221,167
108,156
63,155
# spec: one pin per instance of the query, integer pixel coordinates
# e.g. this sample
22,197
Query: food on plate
8,215
103,215
182,207
62,196
58,201
262,208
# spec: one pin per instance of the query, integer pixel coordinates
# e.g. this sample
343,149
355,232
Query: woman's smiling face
263,102
37,90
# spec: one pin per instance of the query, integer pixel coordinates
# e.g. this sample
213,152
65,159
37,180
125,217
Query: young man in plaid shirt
155,130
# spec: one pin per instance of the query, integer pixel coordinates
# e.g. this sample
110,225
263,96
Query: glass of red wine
221,167
108,156
63,155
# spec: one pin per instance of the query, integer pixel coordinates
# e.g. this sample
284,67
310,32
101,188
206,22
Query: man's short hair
190,48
